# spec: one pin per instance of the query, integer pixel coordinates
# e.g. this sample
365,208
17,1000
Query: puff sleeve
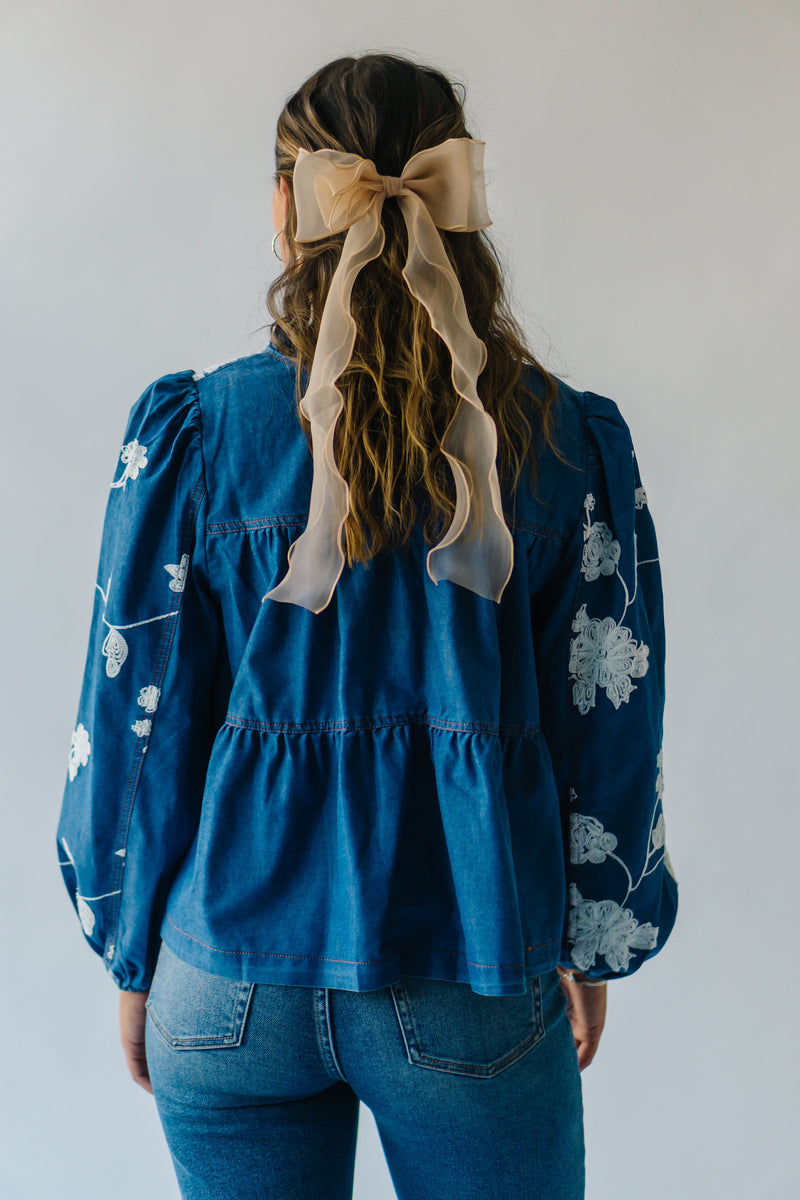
600,654
153,690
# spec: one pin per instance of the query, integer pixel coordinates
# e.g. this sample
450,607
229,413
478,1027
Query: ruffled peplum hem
445,861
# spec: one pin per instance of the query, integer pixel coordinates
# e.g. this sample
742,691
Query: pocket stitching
233,1037
419,1057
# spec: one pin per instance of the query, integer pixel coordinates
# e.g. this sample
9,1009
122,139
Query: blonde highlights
397,388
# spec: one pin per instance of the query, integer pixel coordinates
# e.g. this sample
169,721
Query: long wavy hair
397,389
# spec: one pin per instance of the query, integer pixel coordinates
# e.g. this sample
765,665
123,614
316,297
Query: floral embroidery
142,728
79,750
658,834
178,571
641,497
149,698
604,927
588,840
604,654
134,455
85,913
115,649
600,552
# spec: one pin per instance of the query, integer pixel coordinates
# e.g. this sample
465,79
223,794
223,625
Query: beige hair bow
440,187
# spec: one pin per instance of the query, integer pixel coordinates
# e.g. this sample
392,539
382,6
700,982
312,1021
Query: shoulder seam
215,367
228,362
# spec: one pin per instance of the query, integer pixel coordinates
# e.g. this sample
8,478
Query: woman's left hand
132,1017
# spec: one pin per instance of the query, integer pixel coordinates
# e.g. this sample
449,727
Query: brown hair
397,389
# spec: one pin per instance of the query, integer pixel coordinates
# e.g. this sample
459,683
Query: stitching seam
358,962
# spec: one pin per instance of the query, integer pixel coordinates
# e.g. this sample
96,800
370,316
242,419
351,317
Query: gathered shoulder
605,424
165,404
178,397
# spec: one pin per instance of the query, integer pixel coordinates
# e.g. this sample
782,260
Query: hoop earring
274,251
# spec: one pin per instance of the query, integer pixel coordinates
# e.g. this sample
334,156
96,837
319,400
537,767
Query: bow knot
440,188
392,184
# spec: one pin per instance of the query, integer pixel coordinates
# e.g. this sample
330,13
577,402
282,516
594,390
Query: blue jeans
258,1086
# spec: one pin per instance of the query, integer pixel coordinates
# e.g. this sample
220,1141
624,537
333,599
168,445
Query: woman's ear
286,193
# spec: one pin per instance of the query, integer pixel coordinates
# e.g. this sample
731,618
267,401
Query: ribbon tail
477,552
316,558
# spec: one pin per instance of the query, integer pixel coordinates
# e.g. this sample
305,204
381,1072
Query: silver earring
274,251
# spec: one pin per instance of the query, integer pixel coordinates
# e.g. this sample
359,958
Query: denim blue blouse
415,781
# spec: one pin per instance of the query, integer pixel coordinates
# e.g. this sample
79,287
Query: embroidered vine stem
645,870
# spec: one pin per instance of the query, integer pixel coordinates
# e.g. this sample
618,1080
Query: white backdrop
642,176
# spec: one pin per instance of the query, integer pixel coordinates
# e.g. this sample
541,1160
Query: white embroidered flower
588,503
115,649
588,840
604,654
149,697
600,552
86,915
660,775
178,571
603,927
142,728
641,497
79,751
134,455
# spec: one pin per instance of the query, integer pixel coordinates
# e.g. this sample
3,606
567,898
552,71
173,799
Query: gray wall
642,171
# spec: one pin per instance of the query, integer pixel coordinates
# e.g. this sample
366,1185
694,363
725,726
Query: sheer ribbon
439,187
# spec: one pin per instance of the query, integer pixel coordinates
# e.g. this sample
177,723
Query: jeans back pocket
193,1009
446,1026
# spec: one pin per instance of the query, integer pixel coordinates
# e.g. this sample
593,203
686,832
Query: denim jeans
258,1086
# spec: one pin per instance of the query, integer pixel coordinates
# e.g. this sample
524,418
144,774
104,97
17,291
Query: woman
364,803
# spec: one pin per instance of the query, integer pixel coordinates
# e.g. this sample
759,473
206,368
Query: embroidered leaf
115,648
658,833
86,915
669,865
178,571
